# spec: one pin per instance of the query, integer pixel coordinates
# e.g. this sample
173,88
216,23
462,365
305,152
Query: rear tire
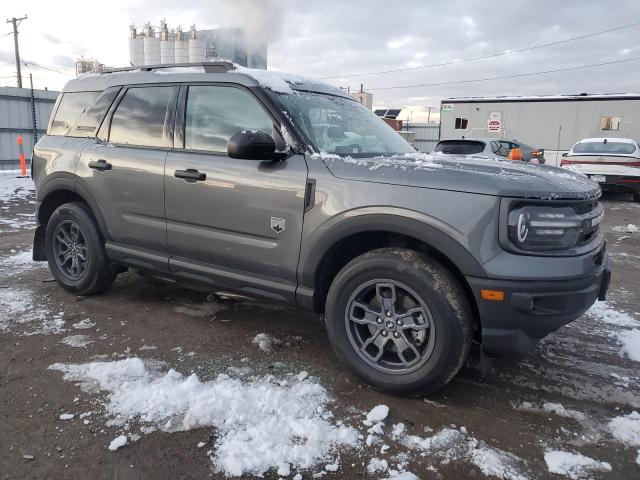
75,250
403,301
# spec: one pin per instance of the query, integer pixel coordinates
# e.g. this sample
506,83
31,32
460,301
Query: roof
279,82
608,139
545,98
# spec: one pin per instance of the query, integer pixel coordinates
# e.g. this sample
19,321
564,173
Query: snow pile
574,465
404,476
19,307
605,313
630,341
84,324
551,407
450,444
377,414
13,187
118,442
377,465
246,415
266,343
626,429
631,228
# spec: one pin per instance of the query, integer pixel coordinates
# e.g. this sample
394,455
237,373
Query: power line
518,75
34,64
484,57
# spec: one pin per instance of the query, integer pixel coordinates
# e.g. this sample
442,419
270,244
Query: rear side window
72,106
91,119
460,147
215,114
139,119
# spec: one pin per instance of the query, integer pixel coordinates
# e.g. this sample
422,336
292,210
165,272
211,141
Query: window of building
72,106
140,117
610,123
215,114
461,123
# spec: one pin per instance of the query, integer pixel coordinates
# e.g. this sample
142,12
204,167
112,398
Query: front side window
215,113
72,106
342,126
140,117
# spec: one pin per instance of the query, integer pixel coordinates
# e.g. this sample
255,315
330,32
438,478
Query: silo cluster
151,47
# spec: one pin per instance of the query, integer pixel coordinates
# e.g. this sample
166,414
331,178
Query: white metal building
554,123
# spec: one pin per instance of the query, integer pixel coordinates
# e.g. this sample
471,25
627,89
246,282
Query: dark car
529,154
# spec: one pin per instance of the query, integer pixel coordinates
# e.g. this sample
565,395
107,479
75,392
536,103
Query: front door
232,223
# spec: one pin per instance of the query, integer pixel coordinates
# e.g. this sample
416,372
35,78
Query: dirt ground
580,367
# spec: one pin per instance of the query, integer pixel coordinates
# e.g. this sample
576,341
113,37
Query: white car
612,162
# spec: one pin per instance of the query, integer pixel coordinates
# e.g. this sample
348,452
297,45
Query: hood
465,174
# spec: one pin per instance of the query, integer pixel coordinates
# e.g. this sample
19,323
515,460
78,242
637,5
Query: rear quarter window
90,120
459,147
71,107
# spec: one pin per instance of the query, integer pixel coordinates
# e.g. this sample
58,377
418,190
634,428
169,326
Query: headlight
543,228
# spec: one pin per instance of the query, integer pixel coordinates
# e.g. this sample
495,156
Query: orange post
23,161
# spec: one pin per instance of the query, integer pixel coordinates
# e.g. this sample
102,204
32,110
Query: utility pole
429,115
16,21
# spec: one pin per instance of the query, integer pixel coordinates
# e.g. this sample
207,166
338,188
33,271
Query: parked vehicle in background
206,175
477,147
529,154
612,162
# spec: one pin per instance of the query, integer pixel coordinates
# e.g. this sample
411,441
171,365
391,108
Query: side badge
278,225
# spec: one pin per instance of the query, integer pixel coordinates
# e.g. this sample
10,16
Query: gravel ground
562,397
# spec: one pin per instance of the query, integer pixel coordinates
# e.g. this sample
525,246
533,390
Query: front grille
591,213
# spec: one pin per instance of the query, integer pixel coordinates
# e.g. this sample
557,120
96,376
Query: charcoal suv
288,190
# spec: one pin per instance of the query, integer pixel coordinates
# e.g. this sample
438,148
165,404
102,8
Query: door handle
100,165
190,174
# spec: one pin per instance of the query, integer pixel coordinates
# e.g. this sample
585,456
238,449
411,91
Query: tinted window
139,118
602,148
215,114
71,107
88,122
460,147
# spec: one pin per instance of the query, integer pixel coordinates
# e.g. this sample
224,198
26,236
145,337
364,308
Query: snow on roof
534,98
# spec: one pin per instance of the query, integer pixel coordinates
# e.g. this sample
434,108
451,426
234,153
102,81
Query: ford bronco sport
287,189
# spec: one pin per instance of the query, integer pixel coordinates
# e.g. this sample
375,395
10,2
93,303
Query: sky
337,38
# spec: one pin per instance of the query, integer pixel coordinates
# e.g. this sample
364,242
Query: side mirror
247,145
565,154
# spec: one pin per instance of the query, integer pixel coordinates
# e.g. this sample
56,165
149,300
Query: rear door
234,223
124,172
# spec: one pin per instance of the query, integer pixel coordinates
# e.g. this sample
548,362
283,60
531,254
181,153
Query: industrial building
149,47
22,114
554,123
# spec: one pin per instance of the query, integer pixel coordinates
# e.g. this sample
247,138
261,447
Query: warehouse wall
16,119
552,125
427,135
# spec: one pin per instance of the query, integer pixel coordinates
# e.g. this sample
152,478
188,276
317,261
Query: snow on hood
473,174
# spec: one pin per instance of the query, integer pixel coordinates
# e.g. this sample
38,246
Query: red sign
494,125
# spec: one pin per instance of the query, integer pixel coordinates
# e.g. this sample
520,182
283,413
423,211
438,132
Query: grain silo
181,45
151,46
167,44
136,47
197,47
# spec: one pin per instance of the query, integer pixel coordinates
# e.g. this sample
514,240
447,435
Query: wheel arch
352,237
55,192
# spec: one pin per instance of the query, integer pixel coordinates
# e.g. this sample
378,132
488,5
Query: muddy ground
580,367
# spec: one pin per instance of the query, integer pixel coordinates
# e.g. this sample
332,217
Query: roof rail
209,67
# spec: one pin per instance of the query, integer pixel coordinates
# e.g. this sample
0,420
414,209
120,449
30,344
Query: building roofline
582,97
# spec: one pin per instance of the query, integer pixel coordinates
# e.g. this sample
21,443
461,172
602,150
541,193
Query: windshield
605,148
342,126
459,147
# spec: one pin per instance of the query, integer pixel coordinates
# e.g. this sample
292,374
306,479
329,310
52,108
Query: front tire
399,320
75,250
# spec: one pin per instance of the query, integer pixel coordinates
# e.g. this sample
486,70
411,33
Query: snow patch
377,465
13,187
266,343
20,308
84,324
377,414
76,341
118,442
605,313
630,341
245,443
630,228
66,416
574,465
626,429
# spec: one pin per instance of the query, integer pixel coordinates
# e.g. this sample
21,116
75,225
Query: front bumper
532,310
